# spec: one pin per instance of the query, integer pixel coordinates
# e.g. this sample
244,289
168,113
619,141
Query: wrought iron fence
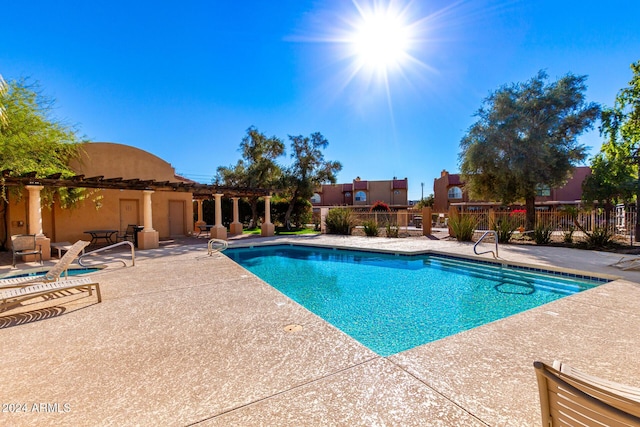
620,221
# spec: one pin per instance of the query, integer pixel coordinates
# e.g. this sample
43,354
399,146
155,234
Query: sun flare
380,38
380,41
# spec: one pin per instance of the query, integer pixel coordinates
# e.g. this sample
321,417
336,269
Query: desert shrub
600,237
371,228
504,228
463,226
567,237
542,234
392,229
339,221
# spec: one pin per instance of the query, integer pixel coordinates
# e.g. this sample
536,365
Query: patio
186,339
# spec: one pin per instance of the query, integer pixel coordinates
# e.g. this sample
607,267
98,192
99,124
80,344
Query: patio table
101,234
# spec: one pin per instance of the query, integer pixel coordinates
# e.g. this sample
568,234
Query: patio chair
569,397
25,244
9,298
128,234
54,272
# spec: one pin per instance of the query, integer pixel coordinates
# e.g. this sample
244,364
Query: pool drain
293,328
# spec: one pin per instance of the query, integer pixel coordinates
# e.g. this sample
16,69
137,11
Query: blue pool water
70,272
391,303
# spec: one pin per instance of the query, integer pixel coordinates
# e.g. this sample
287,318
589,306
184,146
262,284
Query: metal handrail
495,254
211,250
124,242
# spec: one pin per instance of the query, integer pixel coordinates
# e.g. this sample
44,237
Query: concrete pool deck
186,339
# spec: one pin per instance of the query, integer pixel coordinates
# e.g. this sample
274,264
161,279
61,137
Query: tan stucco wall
101,209
383,191
332,195
113,160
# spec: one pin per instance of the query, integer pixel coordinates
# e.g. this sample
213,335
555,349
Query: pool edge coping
589,275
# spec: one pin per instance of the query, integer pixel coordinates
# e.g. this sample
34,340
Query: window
455,193
543,191
316,198
361,196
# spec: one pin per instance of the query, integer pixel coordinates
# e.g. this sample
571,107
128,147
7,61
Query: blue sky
185,80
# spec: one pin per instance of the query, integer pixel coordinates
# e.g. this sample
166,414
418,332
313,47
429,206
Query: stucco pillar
35,209
426,221
148,238
323,222
236,225
267,228
218,231
35,222
199,221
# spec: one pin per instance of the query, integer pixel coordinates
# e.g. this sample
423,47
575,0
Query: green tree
32,140
426,202
621,128
611,180
526,139
257,168
308,171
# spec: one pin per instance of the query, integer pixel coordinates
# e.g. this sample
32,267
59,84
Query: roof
399,184
454,179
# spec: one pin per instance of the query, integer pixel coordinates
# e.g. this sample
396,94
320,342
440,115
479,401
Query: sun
380,40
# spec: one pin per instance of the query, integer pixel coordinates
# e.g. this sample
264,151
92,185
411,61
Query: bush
392,230
568,235
379,206
542,234
463,226
339,221
371,228
504,228
600,237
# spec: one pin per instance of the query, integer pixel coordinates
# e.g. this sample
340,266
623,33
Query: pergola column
148,238
218,231
35,210
236,225
35,222
199,221
268,229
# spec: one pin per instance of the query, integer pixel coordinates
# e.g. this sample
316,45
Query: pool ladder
486,233
125,242
211,250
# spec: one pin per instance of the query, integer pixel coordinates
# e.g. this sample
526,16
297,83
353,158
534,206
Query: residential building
362,193
448,190
123,186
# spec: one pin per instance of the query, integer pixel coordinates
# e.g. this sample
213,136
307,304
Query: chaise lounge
9,298
569,397
53,273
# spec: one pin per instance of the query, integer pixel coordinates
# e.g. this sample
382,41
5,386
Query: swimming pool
70,272
391,303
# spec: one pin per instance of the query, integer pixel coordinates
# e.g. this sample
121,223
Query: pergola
200,192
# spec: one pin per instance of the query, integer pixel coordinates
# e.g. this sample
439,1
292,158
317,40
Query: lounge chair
54,272
627,263
569,397
25,244
9,298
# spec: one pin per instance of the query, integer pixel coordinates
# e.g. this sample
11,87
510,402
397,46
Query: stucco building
448,190
122,185
362,193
